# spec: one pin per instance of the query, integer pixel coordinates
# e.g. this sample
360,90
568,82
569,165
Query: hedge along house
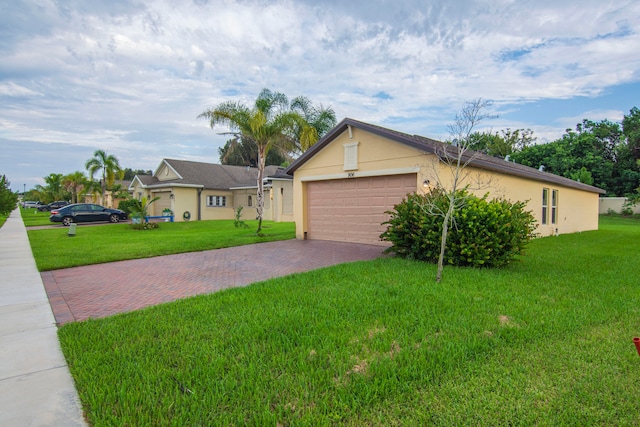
206,191
345,183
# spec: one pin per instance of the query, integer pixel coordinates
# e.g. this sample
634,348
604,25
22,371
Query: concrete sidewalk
36,388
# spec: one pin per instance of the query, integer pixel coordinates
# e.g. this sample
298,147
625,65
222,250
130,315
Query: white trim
363,174
164,161
251,187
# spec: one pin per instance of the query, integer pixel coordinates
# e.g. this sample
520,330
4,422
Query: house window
217,201
250,201
351,156
554,207
545,205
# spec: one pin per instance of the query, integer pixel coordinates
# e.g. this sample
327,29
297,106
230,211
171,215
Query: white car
30,204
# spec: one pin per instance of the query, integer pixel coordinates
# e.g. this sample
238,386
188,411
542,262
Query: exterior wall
576,210
217,212
615,204
184,200
241,198
281,201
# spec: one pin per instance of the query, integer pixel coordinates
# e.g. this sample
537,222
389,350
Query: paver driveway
101,290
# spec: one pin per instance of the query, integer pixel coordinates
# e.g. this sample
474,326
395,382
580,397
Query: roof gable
431,146
185,173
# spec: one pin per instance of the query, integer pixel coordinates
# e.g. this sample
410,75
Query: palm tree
272,123
268,124
75,183
109,166
317,121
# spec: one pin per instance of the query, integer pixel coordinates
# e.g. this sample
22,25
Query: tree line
103,171
601,153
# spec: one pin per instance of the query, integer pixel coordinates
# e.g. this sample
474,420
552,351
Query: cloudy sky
130,76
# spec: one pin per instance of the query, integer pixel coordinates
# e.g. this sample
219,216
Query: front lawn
32,217
547,341
54,249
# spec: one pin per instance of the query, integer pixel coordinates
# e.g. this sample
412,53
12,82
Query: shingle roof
208,175
476,159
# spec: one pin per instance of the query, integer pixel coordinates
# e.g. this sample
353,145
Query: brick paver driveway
101,290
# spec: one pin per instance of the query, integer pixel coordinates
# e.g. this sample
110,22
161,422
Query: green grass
547,341
53,249
34,217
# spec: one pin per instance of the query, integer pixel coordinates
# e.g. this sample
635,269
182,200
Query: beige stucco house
343,185
206,191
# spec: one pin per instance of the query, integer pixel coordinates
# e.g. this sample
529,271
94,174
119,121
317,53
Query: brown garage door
352,210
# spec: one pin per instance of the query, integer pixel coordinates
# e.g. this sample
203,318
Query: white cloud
133,75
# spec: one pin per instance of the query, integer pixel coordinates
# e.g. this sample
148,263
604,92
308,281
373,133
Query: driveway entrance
101,290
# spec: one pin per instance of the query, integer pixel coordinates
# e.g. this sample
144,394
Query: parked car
53,205
86,212
31,204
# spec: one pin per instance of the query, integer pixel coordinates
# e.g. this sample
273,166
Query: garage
164,202
353,209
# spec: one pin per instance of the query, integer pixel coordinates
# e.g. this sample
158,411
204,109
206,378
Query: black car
86,212
53,205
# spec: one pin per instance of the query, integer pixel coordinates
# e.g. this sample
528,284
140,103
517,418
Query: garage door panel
354,209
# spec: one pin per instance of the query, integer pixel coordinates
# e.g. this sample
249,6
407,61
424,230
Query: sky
131,76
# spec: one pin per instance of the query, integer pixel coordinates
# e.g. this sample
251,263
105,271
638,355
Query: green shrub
127,205
484,233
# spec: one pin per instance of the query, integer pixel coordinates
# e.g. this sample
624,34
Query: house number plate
351,174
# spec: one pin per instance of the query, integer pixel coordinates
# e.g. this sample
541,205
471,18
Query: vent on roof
541,168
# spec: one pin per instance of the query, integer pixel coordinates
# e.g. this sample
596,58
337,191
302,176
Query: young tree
8,199
269,124
455,158
108,164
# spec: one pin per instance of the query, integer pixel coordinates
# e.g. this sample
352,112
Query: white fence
615,204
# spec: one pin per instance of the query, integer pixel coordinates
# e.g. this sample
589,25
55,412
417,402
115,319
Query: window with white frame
554,206
545,206
216,201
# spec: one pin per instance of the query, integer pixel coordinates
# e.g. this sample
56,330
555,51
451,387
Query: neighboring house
109,201
344,184
204,191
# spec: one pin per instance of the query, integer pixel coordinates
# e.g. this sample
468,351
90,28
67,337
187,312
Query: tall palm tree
75,183
317,121
268,124
108,164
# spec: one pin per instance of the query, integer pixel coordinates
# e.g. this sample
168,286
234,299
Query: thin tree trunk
443,241
260,195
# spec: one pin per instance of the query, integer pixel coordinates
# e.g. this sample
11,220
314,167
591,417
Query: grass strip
53,249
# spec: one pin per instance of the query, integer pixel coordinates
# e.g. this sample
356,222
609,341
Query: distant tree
109,167
599,148
129,173
8,199
244,152
52,190
631,130
583,175
75,183
501,144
